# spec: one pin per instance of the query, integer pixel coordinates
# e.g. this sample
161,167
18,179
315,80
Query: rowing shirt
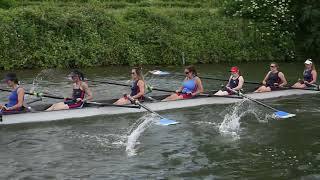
273,78
134,88
233,82
307,75
13,100
76,93
189,86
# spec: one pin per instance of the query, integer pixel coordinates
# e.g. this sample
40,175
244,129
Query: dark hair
192,69
275,64
12,77
138,72
78,73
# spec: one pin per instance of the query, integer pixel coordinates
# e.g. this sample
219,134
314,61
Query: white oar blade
158,72
167,122
283,115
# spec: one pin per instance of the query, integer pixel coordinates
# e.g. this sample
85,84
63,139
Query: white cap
308,61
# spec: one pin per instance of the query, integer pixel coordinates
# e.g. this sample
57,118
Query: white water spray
138,128
231,122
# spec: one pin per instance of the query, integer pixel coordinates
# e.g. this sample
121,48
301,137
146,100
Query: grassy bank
98,33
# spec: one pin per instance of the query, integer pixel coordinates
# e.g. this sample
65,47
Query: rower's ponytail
192,69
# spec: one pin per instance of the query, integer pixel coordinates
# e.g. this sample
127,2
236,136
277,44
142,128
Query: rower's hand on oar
79,100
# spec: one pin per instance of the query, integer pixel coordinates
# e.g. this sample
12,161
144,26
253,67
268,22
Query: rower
137,88
191,86
16,97
235,83
80,90
309,76
274,80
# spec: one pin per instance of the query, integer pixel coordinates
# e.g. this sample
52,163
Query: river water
239,141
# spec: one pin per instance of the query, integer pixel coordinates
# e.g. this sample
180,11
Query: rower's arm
229,81
239,87
199,87
20,99
87,91
283,79
264,82
141,92
314,77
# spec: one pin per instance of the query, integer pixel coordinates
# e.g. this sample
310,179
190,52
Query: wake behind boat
92,110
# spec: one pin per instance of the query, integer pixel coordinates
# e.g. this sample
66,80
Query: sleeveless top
307,75
134,88
189,85
273,78
233,82
13,98
78,93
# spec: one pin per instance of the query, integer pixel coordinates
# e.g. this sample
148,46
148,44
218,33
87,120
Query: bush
94,33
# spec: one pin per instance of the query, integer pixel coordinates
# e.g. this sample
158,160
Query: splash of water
138,128
230,125
41,76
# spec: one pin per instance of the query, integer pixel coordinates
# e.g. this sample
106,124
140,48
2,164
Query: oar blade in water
167,122
283,115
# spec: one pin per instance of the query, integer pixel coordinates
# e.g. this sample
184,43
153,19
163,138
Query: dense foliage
69,33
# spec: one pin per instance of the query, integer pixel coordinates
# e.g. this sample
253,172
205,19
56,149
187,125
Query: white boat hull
157,106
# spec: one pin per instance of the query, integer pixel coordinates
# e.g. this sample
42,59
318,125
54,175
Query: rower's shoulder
84,84
141,82
20,89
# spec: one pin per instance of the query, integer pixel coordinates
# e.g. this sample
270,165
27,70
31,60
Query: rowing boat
90,110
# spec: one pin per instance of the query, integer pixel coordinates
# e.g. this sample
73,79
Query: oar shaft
145,107
256,101
35,94
218,79
112,105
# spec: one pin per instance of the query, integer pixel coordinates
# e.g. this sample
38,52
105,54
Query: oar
163,120
127,85
36,94
277,113
113,105
158,72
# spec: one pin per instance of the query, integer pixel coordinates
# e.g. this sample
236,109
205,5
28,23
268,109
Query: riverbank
92,33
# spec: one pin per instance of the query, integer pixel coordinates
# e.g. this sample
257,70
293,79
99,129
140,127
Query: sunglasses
187,72
133,73
272,66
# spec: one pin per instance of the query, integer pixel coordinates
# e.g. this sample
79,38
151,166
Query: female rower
16,97
273,80
137,88
191,86
80,90
235,83
309,76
